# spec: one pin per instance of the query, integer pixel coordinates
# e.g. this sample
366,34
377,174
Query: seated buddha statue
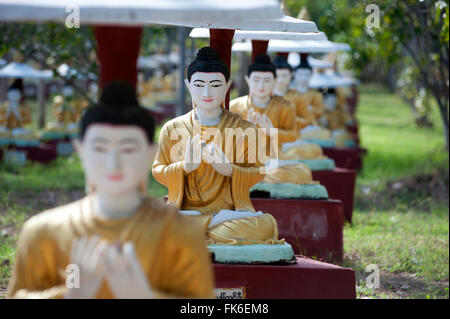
206,159
117,242
302,100
271,111
273,114
310,106
13,116
335,118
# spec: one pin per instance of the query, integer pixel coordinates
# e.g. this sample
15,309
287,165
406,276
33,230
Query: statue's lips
115,178
207,100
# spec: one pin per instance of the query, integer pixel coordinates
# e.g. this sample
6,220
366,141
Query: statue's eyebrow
98,139
215,81
129,140
199,81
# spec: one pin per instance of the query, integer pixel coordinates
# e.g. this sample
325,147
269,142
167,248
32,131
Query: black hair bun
119,93
207,54
262,59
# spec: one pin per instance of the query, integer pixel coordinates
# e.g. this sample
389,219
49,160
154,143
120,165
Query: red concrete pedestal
43,154
305,279
313,228
340,184
350,158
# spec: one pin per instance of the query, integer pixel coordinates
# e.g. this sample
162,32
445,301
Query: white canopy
308,46
192,13
264,35
22,70
330,79
319,64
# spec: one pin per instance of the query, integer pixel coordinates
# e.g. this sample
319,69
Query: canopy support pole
220,40
118,50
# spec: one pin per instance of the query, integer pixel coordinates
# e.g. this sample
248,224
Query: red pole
220,40
283,54
259,46
118,51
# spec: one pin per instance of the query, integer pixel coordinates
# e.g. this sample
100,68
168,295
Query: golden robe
282,115
207,191
170,248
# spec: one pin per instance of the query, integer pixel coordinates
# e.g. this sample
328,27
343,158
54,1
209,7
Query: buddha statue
117,242
206,159
13,116
66,111
336,119
271,111
310,153
274,113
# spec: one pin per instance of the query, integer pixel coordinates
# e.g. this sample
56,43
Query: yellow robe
170,248
282,115
11,121
204,189
306,115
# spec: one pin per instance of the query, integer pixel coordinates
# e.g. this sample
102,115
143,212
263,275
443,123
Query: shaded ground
420,192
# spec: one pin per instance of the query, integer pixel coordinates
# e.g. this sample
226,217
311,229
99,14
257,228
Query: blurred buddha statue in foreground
208,160
116,241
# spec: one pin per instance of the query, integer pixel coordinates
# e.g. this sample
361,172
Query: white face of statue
301,79
116,158
261,84
14,95
283,80
208,89
330,101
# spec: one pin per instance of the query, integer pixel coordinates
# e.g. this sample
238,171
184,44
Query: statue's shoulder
53,221
238,105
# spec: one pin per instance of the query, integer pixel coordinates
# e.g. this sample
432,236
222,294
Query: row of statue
15,115
121,239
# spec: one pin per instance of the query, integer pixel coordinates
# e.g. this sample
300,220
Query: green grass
404,231
397,147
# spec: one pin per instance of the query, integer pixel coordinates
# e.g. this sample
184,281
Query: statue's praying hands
87,254
262,121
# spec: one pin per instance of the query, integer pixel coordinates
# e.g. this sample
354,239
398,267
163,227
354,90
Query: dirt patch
421,192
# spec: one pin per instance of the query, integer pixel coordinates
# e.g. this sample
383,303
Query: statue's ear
78,146
152,149
247,79
188,84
